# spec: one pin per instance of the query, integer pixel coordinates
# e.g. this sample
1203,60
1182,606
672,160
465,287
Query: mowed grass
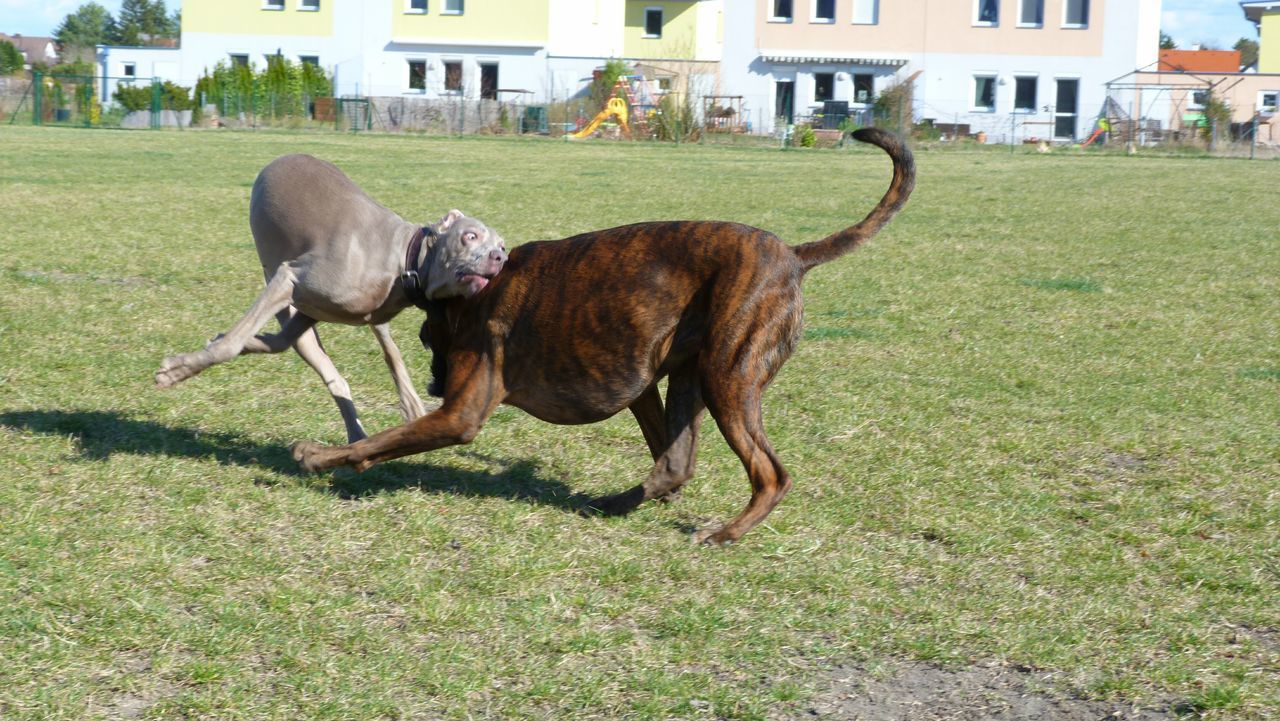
1036,422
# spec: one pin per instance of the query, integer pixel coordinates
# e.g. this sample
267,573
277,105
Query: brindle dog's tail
904,179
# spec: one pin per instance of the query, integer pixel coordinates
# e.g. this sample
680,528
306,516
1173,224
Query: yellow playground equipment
615,108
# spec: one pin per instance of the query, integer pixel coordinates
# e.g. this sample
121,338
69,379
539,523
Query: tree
1248,51
90,25
10,58
143,22
1167,42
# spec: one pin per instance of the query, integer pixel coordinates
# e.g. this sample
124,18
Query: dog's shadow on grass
100,434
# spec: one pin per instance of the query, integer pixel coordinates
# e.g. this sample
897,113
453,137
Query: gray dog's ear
444,224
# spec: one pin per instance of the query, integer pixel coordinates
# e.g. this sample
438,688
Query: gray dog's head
466,256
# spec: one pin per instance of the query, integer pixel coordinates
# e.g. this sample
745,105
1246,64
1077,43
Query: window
665,83
824,11
653,22
239,60
987,13
273,4
1031,13
489,81
416,6
866,12
781,11
784,100
1197,99
309,5
312,60
418,75
1267,101
864,87
453,75
984,92
824,86
1024,93
1076,14
453,7
130,70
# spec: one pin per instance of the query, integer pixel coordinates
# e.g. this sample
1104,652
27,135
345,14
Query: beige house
1011,69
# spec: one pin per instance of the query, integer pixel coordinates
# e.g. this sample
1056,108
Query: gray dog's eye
469,236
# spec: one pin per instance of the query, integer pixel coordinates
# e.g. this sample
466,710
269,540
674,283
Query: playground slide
617,108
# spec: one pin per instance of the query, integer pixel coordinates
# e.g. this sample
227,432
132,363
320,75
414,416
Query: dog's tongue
475,283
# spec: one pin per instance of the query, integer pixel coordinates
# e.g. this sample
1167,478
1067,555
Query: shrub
10,58
805,137
133,97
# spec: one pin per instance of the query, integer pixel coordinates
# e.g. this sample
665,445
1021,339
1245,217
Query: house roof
1254,9
1200,61
34,49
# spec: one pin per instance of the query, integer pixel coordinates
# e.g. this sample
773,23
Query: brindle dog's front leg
474,393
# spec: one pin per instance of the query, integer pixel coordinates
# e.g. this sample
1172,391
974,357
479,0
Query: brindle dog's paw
617,504
312,456
715,534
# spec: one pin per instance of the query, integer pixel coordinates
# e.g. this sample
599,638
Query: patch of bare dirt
921,692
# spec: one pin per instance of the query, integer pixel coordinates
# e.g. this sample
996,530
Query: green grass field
1036,422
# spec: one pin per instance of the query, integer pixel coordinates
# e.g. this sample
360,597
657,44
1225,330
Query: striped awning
798,59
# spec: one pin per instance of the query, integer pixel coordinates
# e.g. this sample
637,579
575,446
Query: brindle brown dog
713,306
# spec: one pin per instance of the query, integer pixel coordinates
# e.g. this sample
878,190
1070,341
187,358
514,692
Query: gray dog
331,253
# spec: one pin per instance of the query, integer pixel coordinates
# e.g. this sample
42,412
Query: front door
785,101
1065,110
489,81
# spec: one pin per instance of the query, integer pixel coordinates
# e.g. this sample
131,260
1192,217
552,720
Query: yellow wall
679,30
522,21
246,17
1269,52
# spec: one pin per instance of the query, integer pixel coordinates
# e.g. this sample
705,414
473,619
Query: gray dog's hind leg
309,347
273,299
411,406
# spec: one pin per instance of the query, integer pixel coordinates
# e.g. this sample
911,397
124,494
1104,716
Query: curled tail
904,179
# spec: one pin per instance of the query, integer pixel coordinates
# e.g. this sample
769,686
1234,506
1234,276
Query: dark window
824,86
984,92
417,74
273,4
313,60
989,11
309,5
453,75
784,97
453,7
1077,12
239,60
1031,12
489,81
653,22
417,6
864,87
130,70
1024,94
782,9
825,10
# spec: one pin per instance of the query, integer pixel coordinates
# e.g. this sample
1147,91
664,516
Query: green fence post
155,104
37,98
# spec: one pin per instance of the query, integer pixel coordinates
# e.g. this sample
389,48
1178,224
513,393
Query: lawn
1035,424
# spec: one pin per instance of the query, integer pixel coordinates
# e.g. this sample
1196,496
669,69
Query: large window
1024,93
1031,13
781,10
418,75
824,85
653,22
453,75
864,87
1076,14
986,12
984,92
866,12
824,11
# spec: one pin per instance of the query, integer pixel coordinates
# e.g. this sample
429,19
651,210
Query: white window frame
662,20
1035,102
248,59
273,5
813,13
1192,103
1263,106
444,76
973,91
408,78
302,58
409,9
453,7
773,5
853,81
308,6
1066,4
875,12
977,13
1023,22
130,70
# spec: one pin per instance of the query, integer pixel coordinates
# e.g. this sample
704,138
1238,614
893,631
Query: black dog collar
411,278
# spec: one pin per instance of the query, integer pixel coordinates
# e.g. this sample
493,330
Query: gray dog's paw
173,370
